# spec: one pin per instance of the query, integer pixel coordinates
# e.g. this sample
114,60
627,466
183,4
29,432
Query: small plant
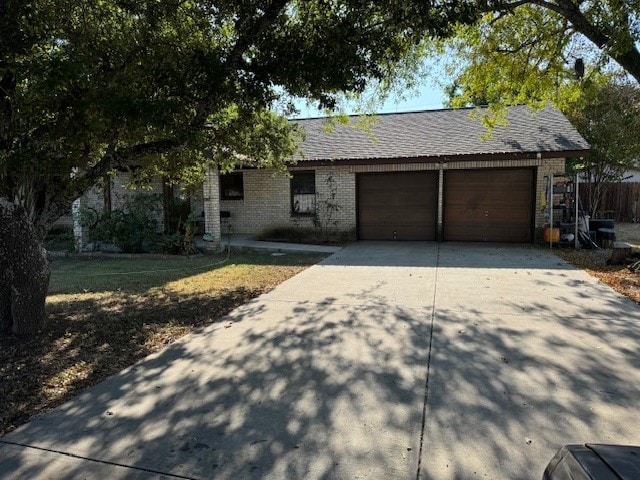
177,212
327,208
180,227
181,241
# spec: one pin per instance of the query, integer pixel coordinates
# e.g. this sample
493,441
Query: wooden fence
620,201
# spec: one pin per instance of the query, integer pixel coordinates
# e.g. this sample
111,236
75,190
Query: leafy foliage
534,51
610,121
511,59
179,86
611,28
134,228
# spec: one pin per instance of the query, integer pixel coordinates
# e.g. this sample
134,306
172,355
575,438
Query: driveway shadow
316,382
308,389
525,359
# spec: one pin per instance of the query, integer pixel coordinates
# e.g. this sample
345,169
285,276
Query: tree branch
628,59
251,34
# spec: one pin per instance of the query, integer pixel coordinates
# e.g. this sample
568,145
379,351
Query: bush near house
311,236
135,227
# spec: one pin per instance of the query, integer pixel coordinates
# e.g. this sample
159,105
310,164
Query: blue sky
425,97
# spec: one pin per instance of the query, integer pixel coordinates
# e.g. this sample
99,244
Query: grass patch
107,313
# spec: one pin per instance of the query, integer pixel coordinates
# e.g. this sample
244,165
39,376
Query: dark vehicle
594,462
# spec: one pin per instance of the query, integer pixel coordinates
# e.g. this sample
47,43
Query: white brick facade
211,205
267,202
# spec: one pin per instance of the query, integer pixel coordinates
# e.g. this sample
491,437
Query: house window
231,186
303,193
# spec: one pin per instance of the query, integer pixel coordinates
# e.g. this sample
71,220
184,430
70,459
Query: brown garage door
488,205
397,206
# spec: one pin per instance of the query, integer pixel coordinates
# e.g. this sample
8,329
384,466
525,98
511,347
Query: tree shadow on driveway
526,359
306,383
278,389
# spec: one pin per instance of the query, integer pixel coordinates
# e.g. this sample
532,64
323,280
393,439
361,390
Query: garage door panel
488,205
397,206
402,232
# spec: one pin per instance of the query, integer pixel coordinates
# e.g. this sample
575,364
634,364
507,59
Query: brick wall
211,206
267,203
552,166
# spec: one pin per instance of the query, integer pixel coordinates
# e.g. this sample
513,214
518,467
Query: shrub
132,228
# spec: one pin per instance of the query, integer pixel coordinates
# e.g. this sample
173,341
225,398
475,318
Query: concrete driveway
387,360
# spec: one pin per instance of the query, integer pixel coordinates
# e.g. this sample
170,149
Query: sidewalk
250,243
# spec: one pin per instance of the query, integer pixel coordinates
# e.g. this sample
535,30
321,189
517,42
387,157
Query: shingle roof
441,133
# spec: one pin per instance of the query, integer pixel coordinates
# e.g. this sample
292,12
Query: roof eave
447,158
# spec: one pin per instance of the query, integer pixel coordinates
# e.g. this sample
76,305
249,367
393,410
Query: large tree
174,85
529,51
531,55
609,120
612,26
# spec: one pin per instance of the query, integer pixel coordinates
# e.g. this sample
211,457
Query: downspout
440,230
576,212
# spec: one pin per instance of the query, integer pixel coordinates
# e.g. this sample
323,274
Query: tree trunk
24,273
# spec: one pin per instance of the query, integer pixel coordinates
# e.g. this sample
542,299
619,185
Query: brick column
78,234
440,226
211,193
76,214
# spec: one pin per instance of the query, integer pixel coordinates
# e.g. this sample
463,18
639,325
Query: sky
425,97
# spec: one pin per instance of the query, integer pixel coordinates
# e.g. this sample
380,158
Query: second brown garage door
488,205
397,206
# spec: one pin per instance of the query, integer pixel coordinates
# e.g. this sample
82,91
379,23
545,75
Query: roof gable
441,133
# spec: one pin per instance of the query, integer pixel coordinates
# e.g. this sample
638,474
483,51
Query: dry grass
106,314
594,262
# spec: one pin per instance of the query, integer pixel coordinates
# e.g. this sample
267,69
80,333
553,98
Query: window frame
293,193
224,188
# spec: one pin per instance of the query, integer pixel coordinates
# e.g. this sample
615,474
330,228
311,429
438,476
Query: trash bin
594,462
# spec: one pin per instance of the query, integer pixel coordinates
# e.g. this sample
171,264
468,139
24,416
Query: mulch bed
594,262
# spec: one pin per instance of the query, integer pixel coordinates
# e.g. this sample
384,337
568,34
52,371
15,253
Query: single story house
428,175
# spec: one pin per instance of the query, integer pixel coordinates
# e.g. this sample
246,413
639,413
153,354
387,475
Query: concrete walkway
387,360
249,242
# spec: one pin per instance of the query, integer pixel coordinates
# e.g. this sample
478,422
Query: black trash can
597,224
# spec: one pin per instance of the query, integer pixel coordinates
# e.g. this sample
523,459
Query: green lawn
107,313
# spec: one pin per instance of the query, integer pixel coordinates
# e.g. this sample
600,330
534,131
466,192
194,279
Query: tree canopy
173,86
531,51
533,54
611,26
89,86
